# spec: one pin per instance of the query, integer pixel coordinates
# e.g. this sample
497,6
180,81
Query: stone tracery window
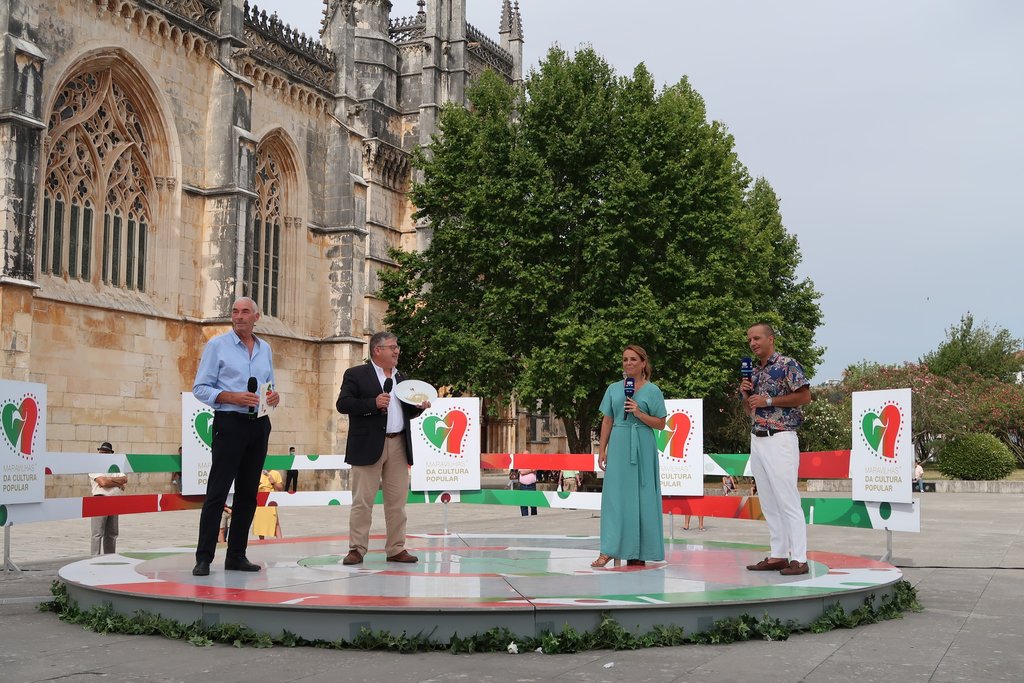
97,156
263,256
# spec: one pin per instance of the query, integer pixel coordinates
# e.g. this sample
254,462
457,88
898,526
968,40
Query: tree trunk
578,427
577,443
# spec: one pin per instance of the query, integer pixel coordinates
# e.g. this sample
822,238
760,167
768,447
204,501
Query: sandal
601,560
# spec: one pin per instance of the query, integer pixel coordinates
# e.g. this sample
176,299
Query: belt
769,432
393,435
235,415
634,449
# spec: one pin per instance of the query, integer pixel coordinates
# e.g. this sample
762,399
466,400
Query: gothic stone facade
160,158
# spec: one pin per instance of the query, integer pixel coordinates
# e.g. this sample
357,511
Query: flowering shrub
826,425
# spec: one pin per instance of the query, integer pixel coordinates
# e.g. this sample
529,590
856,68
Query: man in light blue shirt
233,368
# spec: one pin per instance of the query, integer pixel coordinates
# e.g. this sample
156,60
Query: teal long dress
631,513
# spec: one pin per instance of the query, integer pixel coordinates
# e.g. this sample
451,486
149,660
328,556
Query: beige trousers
390,473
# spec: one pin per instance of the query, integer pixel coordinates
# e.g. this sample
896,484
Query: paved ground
967,565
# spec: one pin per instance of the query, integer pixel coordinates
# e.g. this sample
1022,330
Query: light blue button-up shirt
227,366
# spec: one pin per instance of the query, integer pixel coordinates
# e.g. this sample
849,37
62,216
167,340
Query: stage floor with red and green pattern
469,583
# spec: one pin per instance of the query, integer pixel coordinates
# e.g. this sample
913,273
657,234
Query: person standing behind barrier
105,529
631,511
772,397
240,439
570,480
291,482
700,522
527,482
266,521
379,448
225,525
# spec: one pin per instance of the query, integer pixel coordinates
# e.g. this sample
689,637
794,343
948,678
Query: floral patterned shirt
779,376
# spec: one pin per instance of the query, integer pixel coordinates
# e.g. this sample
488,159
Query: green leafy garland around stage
608,636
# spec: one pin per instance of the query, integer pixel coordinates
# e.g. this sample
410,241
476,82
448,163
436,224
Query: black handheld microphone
253,386
388,383
746,367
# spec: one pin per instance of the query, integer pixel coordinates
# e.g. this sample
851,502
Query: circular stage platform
469,583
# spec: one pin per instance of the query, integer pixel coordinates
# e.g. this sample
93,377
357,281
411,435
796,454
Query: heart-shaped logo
204,427
450,429
20,424
882,430
672,440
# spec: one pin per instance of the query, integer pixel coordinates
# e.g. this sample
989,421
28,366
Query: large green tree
982,349
790,303
585,213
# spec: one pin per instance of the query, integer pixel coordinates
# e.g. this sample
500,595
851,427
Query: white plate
415,392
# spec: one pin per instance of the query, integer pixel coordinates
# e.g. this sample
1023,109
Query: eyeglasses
391,347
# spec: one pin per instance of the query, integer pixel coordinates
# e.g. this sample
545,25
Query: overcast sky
892,131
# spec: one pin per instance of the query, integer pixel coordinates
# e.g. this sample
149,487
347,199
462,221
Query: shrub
976,457
826,426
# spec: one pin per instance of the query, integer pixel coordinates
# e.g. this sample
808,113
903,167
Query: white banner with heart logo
23,444
446,446
196,441
882,453
681,448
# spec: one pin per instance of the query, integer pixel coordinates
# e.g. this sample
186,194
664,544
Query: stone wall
209,91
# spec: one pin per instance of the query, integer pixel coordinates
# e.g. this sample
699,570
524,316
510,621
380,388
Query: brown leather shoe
769,565
795,568
353,557
403,556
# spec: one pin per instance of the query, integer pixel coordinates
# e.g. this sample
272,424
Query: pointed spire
331,8
517,23
421,3
506,17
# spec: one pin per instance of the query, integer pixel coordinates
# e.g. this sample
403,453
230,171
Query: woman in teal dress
631,523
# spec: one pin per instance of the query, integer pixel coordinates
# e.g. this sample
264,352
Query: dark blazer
367,424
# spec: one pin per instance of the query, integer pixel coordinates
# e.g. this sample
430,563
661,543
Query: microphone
629,388
388,383
253,386
746,367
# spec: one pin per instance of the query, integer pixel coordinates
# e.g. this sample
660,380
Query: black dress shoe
241,565
201,569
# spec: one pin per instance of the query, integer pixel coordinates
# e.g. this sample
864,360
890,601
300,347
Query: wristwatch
768,401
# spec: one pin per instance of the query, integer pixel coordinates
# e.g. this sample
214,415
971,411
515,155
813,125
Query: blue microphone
629,388
746,367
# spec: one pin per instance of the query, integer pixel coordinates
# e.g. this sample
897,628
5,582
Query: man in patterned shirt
772,398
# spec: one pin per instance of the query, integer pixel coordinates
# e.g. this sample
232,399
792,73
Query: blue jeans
523,509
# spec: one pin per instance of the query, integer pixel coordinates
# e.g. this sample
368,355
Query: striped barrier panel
820,465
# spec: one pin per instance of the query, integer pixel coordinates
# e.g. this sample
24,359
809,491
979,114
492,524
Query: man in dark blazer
379,448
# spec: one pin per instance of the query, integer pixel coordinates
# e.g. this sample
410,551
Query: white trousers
774,462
